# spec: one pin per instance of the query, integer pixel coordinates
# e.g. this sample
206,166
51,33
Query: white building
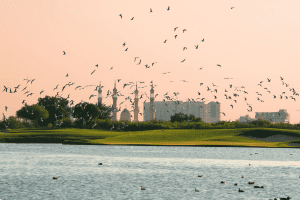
165,109
274,117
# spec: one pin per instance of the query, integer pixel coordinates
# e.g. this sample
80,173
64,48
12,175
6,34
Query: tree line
54,112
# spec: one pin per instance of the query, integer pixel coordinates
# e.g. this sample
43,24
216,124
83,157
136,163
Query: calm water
26,172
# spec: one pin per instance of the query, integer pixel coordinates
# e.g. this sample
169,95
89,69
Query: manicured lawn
202,137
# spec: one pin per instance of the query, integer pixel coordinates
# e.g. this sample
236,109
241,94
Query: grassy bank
200,137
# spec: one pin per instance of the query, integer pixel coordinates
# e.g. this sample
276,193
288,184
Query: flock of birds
212,89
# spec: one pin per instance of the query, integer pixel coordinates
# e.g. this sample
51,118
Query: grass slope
201,137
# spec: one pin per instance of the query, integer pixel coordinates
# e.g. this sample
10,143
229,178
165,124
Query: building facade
165,109
282,116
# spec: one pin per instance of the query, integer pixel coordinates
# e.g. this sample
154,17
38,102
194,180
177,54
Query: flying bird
184,48
111,68
132,18
5,108
93,72
64,53
139,62
196,46
153,63
184,30
175,28
67,75
168,8
126,49
165,41
135,58
269,80
32,80
175,36
202,40
231,105
150,9
41,91
120,15
97,65
56,87
218,65
183,60
91,96
5,89
232,7
119,80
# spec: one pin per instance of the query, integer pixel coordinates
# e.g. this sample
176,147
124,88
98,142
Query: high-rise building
100,94
274,117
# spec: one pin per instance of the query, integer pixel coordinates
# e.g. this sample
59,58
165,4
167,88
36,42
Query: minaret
152,109
114,117
136,105
99,95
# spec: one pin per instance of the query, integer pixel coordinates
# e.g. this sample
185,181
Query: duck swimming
200,175
222,182
241,190
235,184
55,177
142,188
251,183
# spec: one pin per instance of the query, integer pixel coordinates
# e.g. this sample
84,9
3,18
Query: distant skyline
57,42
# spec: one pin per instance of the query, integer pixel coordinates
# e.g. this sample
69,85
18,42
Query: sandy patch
278,138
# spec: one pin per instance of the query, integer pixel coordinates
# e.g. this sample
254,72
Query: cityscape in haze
236,62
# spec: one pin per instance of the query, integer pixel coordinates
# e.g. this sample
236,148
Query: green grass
202,137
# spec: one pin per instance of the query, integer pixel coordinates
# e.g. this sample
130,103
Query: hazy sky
253,41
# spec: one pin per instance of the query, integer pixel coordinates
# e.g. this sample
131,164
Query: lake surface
26,172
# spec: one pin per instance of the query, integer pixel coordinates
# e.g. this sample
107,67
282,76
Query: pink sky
254,41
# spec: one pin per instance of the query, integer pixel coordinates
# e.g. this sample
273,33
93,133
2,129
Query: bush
49,126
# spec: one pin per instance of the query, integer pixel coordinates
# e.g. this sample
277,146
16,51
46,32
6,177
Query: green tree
57,107
179,117
35,113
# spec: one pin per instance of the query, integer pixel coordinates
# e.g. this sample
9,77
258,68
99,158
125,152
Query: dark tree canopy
180,117
57,107
34,112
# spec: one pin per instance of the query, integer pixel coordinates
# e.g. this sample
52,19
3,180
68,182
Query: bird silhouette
184,48
218,65
93,72
111,68
183,30
56,87
5,89
126,49
91,96
232,7
165,41
41,91
67,75
202,40
135,58
269,80
231,105
168,8
153,63
32,80
97,65
64,53
119,80
132,18
196,46
139,62
175,36
120,15
175,28
183,60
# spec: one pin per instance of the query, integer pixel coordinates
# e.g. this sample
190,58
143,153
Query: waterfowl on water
241,190
222,182
55,177
251,183
142,188
258,186
100,164
235,184
288,198
196,190
243,177
200,175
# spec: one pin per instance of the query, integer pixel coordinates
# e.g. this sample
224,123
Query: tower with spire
114,117
152,109
99,94
136,105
